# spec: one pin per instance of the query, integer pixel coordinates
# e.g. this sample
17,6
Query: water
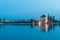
27,9
28,32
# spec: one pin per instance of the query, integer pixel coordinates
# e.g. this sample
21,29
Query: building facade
43,19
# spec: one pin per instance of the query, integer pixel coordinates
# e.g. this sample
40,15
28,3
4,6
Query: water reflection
45,27
48,27
42,27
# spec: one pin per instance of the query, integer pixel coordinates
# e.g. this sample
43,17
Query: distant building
51,19
43,19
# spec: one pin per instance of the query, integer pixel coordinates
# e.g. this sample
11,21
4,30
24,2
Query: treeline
17,21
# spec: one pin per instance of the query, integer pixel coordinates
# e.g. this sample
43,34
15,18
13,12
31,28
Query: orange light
39,23
46,27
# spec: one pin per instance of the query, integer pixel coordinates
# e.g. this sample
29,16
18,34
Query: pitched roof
43,16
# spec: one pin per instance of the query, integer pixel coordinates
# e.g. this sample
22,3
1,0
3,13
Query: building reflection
45,27
44,23
42,27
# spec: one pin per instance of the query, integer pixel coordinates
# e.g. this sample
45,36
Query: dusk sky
29,8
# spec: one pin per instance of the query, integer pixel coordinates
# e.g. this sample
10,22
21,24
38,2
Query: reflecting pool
29,32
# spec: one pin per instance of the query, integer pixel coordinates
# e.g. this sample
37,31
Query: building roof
43,16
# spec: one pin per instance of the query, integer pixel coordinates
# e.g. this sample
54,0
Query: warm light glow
46,20
39,23
46,27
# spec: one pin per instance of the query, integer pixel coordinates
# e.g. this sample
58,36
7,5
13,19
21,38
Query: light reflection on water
43,27
29,32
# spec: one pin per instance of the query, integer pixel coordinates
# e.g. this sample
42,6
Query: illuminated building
43,19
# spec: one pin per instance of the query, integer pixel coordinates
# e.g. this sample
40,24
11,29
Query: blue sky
29,8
